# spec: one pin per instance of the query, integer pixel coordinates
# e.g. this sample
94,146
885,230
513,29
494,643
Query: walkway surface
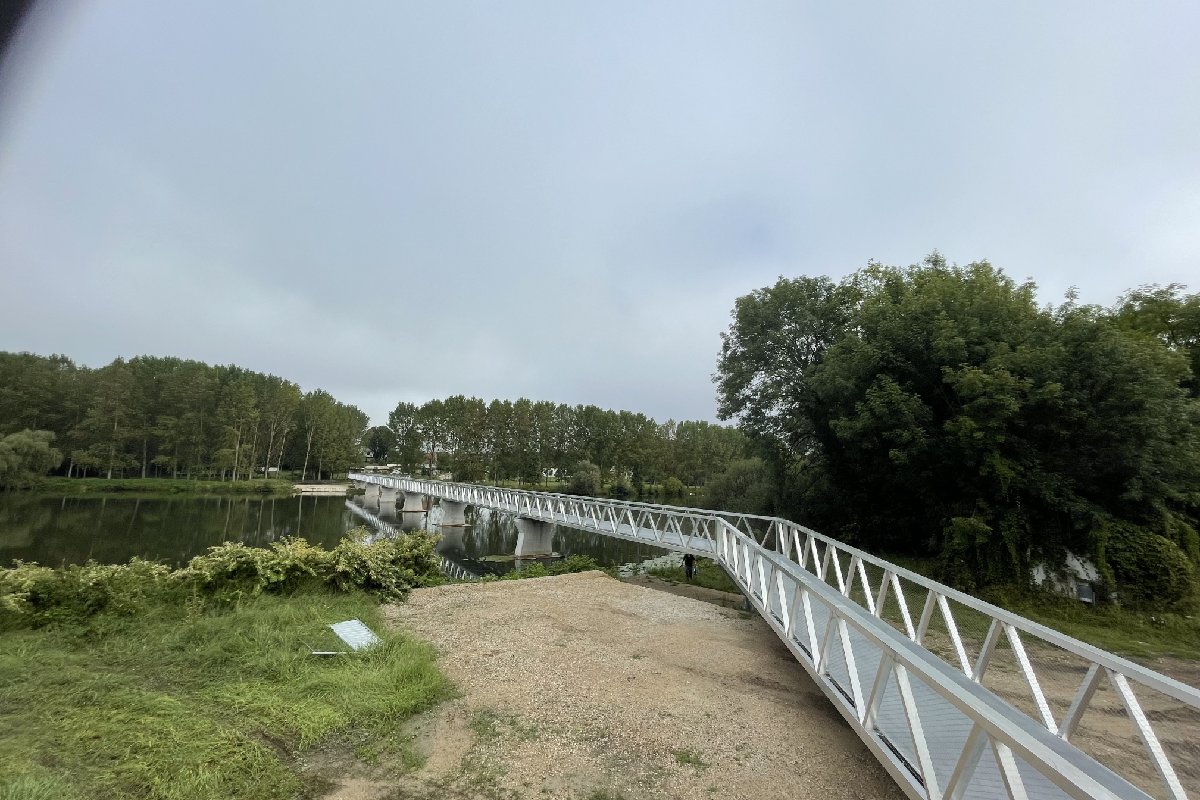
581,686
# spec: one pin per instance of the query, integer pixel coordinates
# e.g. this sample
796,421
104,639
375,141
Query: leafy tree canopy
937,409
26,455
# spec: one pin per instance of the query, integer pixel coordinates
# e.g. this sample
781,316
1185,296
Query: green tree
403,421
1166,314
777,336
25,455
380,443
747,485
938,410
104,432
673,487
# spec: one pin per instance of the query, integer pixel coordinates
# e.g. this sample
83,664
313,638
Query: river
53,530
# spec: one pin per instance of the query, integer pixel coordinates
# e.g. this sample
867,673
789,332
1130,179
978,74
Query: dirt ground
1105,730
582,686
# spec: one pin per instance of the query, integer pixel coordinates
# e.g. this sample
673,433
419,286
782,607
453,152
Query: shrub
585,480
1147,569
673,487
619,489
31,595
230,570
387,568
538,570
35,595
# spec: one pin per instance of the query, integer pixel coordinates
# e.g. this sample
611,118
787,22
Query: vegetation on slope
137,681
938,411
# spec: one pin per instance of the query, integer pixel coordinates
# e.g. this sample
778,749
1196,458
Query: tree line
525,440
150,416
938,410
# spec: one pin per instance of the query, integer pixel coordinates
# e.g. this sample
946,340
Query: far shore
276,487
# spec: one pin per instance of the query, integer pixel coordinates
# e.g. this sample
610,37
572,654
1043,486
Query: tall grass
708,575
180,702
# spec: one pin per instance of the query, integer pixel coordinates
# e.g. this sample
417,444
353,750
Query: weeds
33,596
708,574
689,758
175,704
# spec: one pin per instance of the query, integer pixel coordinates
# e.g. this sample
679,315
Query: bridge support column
534,537
453,513
371,495
387,496
413,501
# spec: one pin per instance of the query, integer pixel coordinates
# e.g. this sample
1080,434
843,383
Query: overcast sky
562,201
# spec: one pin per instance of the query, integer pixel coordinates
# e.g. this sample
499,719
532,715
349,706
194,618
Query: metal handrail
993,722
842,569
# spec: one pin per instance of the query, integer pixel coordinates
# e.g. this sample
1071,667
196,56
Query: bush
387,568
564,567
585,480
1147,569
974,555
230,570
31,595
673,487
619,489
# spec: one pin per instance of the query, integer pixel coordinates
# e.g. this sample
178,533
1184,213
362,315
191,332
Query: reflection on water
71,530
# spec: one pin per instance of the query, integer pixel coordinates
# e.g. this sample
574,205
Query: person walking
689,566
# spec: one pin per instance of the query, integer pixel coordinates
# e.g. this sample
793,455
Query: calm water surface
71,530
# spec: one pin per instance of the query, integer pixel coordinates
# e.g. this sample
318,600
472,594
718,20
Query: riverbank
139,681
151,486
185,704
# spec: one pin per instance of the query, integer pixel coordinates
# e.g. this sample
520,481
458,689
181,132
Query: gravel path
581,686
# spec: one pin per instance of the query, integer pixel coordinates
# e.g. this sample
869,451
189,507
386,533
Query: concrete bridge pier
387,496
413,501
534,537
453,513
371,494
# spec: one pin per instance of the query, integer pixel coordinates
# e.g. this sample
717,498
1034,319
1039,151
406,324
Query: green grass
689,758
1134,632
71,486
708,575
177,704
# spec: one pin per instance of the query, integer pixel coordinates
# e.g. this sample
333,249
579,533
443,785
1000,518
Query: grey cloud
562,201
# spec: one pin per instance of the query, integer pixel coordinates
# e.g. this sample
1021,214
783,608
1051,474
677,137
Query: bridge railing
884,675
688,529
981,639
984,643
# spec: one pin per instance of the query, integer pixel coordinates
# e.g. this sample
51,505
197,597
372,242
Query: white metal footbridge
956,697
